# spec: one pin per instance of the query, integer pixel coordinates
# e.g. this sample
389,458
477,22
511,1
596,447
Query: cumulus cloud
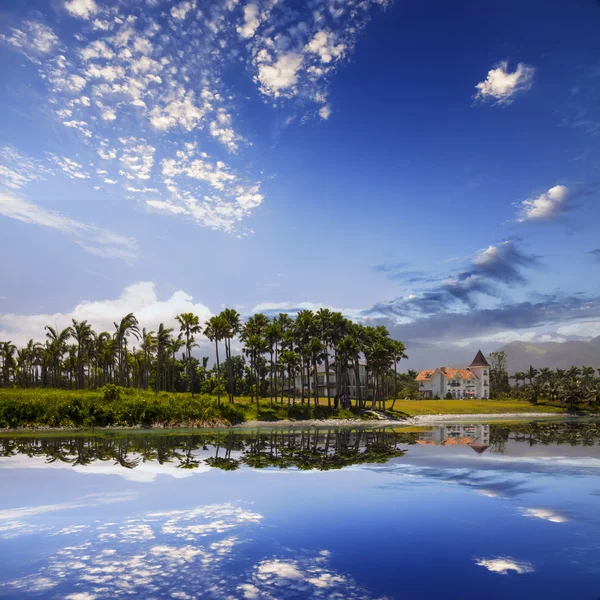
140,298
294,59
545,207
501,85
280,76
504,564
91,238
82,9
251,21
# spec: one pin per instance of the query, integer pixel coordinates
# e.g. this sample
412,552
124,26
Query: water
493,511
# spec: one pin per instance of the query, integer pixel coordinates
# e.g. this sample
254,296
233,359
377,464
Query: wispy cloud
501,263
594,254
91,238
501,85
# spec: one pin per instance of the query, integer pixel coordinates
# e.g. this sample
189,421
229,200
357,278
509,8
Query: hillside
552,354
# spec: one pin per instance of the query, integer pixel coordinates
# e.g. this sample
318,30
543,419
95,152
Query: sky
432,167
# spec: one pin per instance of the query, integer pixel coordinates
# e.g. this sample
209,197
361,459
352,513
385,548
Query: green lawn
458,407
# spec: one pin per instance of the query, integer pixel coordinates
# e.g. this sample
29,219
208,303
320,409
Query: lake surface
456,511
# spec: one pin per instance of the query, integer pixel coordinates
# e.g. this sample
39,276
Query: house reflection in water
474,436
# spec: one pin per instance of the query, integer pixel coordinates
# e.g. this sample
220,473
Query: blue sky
430,167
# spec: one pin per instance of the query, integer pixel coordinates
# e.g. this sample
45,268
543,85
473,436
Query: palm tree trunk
271,391
327,377
218,374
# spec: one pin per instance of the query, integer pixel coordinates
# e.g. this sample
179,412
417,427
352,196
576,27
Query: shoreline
431,419
409,422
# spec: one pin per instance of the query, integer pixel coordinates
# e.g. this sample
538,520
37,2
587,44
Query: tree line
275,352
569,386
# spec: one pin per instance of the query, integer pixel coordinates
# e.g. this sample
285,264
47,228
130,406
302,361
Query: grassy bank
121,407
124,407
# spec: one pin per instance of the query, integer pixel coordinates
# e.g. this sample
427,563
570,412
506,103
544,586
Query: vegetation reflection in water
305,449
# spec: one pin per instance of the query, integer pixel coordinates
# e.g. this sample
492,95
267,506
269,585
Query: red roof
479,360
447,373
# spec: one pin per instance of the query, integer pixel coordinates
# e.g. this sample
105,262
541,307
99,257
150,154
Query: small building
350,385
470,382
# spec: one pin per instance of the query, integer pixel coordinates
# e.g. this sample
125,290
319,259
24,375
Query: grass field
465,407
121,407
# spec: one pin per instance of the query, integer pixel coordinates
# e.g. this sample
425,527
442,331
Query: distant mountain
520,355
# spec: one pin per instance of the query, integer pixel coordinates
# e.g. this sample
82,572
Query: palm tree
128,326
531,374
175,344
398,352
57,345
189,323
233,320
587,374
272,337
285,328
215,331
323,319
163,338
252,335
290,361
518,376
573,373
82,332
148,346
7,352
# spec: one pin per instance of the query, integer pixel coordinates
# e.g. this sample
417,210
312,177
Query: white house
322,384
474,436
472,382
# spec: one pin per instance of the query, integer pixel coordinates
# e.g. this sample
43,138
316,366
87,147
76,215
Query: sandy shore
416,420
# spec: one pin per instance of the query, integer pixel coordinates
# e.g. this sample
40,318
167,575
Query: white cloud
72,169
546,514
547,206
86,501
180,11
325,112
500,85
82,9
94,240
140,298
80,126
251,21
277,77
18,170
293,307
180,109
33,40
160,205
323,44
503,564
585,329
